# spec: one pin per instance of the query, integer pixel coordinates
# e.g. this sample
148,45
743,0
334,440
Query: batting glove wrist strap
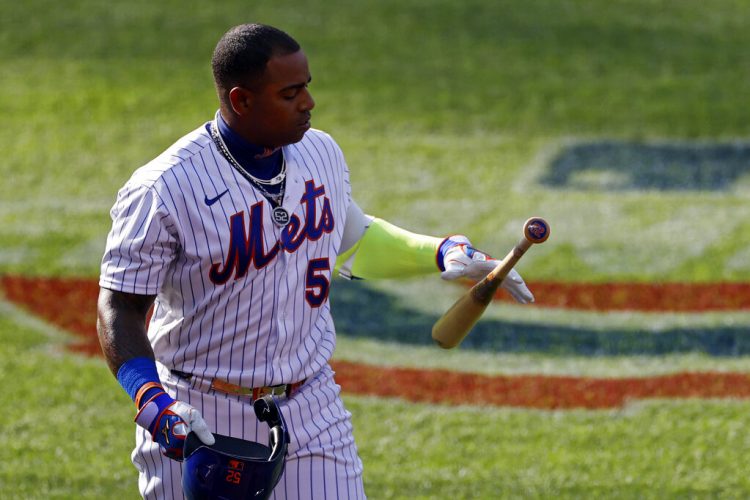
147,392
148,416
458,259
450,243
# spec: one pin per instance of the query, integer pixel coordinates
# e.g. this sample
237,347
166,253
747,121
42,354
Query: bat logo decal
537,230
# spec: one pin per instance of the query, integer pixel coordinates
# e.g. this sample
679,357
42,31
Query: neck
238,144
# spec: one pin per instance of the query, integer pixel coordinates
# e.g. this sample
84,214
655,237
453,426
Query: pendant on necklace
280,216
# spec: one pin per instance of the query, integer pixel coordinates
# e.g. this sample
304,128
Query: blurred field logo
619,166
360,312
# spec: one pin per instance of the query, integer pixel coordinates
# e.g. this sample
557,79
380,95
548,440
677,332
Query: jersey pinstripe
240,299
322,460
237,297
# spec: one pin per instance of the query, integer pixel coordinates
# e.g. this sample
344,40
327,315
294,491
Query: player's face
280,110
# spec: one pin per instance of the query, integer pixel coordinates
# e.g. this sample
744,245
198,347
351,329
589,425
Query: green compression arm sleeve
387,251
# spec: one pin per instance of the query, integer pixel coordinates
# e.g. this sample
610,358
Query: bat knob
536,230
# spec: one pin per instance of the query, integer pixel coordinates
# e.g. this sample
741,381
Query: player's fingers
514,276
517,288
452,274
478,270
522,296
455,264
200,427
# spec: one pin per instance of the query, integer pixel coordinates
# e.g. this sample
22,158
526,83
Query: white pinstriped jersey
238,297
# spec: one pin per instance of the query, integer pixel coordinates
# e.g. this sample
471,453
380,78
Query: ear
241,100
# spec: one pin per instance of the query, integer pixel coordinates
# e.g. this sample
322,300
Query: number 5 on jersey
317,283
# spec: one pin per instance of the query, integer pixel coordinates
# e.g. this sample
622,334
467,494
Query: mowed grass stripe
398,355
436,118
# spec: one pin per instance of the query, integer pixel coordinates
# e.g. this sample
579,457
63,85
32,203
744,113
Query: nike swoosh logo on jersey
211,201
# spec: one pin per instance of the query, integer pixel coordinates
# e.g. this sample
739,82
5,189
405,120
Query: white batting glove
169,422
460,260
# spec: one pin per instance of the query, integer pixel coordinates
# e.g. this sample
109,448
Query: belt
218,385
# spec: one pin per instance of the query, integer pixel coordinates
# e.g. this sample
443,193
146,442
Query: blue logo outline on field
359,312
211,201
614,165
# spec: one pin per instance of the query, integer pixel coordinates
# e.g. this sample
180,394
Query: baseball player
229,240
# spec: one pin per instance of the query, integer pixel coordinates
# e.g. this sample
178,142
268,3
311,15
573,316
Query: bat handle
484,290
535,230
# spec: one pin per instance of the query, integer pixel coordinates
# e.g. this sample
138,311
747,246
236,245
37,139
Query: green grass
655,450
69,432
448,113
378,353
66,422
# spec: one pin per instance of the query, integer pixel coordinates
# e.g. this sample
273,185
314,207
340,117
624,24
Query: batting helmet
233,468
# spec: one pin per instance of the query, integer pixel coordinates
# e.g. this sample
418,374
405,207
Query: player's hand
169,423
461,260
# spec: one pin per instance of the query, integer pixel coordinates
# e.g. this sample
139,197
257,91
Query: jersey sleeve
141,244
355,226
350,228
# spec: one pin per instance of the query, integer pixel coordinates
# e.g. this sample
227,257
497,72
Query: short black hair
241,55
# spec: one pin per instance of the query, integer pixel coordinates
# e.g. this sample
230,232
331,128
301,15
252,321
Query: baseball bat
457,321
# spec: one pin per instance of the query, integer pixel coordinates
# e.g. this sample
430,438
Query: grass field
66,436
450,115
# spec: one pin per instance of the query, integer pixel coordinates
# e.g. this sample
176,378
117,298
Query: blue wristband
134,373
